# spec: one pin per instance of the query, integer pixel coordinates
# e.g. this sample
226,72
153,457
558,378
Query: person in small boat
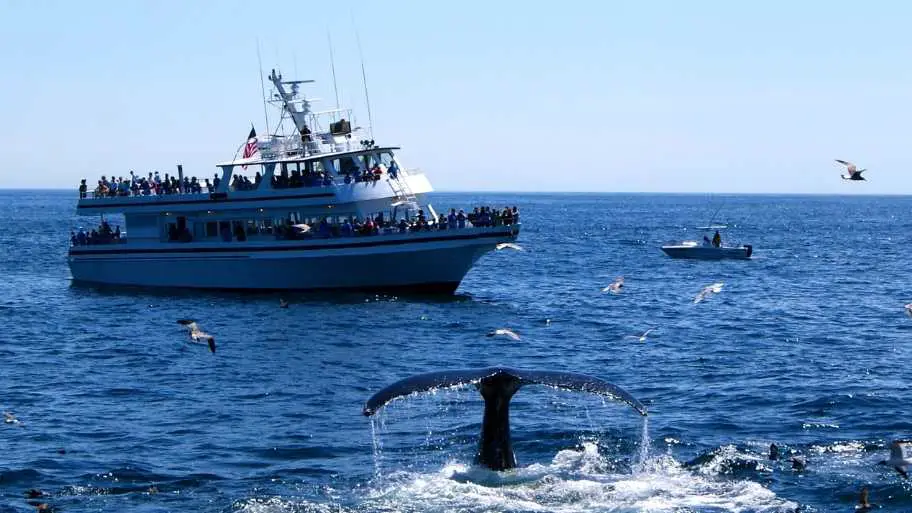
706,242
717,240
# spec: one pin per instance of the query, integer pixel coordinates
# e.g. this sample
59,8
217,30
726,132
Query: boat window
317,166
265,226
212,229
372,160
237,229
346,165
386,158
169,230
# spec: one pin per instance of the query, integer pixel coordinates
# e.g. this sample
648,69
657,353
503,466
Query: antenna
262,86
332,65
370,119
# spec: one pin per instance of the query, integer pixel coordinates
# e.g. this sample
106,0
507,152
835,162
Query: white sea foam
575,481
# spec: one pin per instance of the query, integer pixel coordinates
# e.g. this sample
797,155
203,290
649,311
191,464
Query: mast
289,101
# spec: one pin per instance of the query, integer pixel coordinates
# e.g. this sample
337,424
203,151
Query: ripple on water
806,347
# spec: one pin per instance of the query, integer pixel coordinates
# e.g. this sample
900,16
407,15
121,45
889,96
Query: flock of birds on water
900,450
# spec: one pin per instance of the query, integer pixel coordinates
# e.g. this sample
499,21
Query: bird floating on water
508,245
854,172
908,309
9,418
642,338
715,288
503,332
197,334
899,459
863,504
616,287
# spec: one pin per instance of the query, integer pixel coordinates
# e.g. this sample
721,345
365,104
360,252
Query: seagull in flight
283,303
899,459
715,288
9,418
503,332
854,172
615,288
508,245
908,308
196,334
642,338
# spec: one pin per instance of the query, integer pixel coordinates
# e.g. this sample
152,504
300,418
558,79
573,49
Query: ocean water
807,346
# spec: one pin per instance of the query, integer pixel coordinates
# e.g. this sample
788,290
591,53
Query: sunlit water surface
806,346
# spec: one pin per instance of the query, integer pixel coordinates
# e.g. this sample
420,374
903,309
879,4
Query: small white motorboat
696,251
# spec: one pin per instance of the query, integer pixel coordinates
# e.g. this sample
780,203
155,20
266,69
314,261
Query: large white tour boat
319,207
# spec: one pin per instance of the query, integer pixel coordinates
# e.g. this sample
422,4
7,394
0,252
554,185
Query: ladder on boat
401,189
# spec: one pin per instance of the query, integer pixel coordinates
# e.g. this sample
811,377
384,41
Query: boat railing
98,242
335,231
320,143
152,194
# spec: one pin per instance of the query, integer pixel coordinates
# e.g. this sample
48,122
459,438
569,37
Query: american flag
251,147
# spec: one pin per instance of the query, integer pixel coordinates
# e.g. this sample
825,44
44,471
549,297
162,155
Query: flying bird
283,303
503,332
615,288
642,338
899,460
715,288
198,335
509,245
854,172
908,308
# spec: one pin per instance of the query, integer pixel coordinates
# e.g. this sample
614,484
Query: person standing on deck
717,240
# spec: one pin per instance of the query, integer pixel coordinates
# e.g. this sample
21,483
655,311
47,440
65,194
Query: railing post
180,178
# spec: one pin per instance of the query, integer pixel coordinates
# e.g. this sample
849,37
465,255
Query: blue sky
652,96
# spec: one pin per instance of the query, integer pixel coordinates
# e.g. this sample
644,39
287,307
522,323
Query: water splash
644,448
376,426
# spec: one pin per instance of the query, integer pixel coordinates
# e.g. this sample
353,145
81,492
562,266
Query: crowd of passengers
137,185
297,178
479,217
155,185
103,235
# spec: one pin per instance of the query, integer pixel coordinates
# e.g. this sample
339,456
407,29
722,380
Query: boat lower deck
436,260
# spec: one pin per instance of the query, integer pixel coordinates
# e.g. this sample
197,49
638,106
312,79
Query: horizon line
494,191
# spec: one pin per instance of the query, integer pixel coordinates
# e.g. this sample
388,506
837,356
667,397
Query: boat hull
435,262
708,253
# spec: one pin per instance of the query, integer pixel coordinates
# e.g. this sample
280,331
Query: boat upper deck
323,159
364,174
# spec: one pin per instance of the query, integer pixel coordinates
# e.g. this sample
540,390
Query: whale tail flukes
497,386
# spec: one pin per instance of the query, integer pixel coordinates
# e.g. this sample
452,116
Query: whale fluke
497,386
